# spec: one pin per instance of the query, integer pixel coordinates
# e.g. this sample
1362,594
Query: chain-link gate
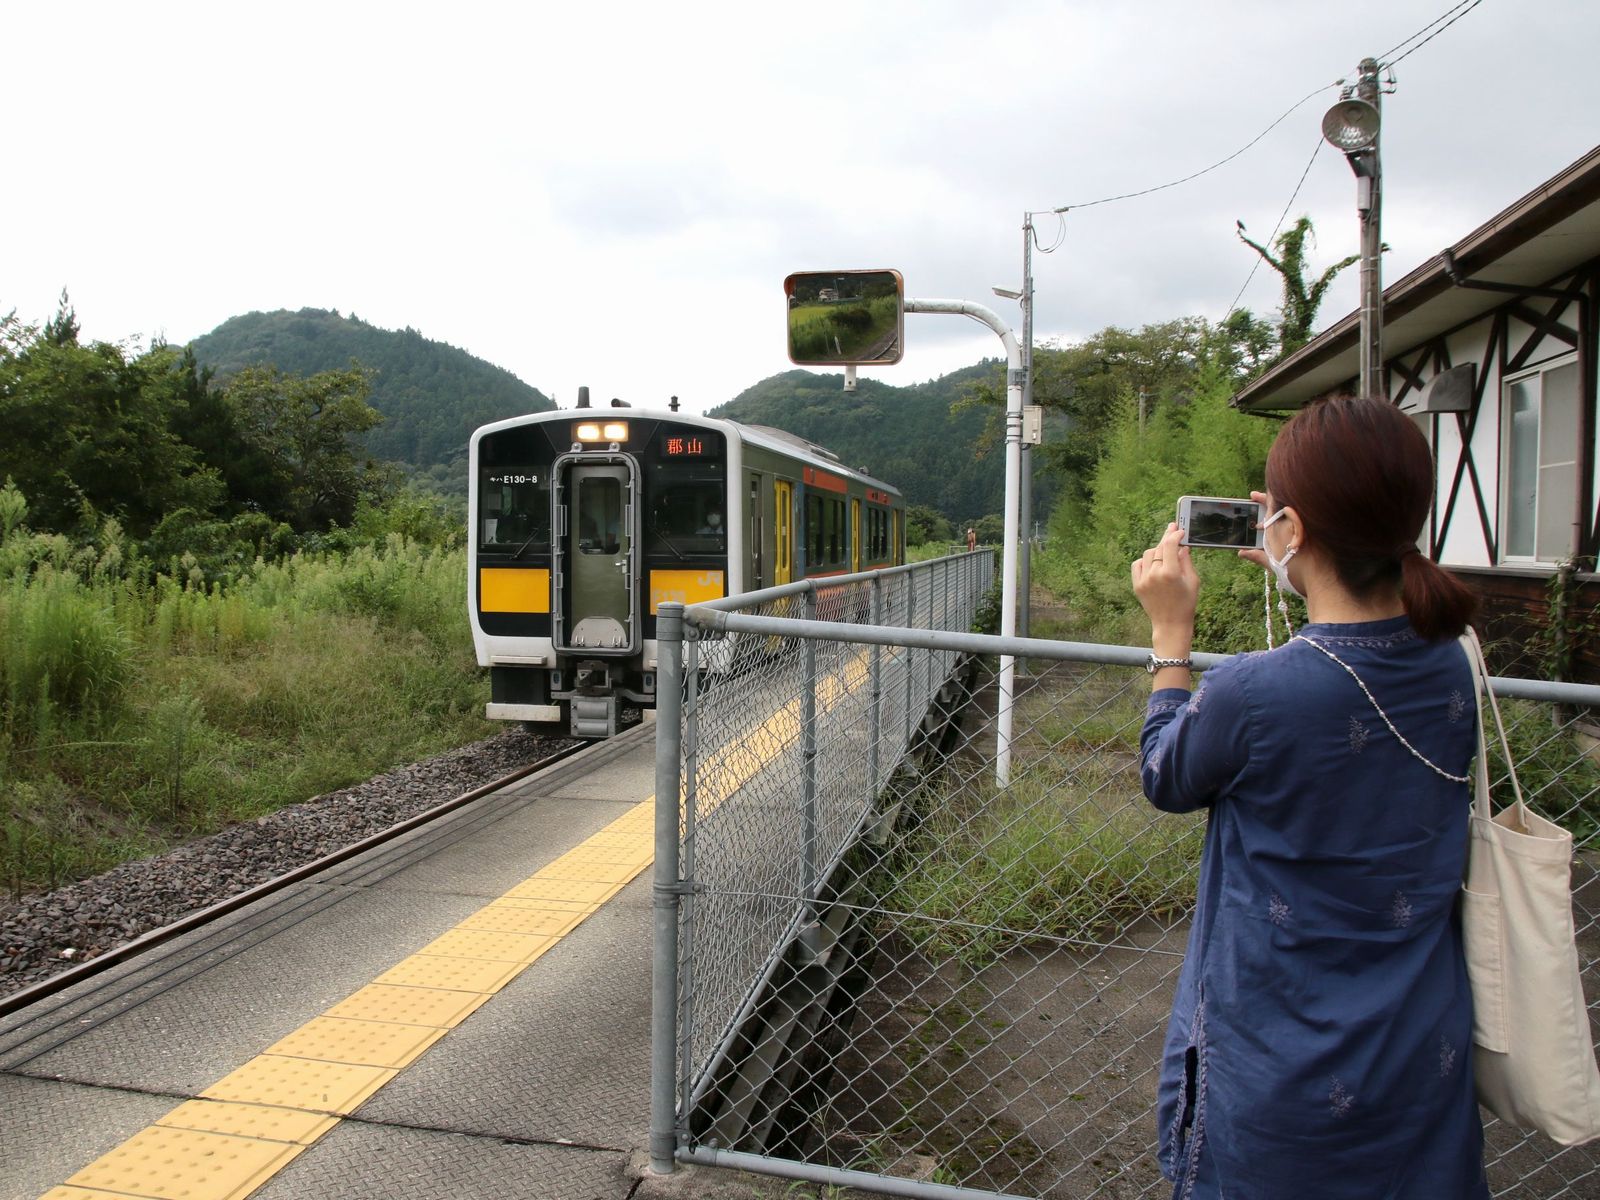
878,967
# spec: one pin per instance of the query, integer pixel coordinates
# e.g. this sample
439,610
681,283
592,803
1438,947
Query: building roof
1550,231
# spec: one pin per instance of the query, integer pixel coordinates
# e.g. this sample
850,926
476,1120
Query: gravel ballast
46,933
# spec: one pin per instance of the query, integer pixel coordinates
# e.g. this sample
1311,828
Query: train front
584,521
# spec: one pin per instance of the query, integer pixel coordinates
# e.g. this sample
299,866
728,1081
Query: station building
1491,347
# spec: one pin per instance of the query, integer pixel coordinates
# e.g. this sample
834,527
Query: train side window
814,532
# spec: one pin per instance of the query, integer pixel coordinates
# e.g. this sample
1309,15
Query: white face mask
1280,566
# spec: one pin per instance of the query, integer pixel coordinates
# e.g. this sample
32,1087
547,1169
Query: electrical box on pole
1032,424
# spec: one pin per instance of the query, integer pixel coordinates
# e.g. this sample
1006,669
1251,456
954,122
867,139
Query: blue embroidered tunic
1321,1037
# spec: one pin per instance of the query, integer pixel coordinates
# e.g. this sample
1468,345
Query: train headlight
594,431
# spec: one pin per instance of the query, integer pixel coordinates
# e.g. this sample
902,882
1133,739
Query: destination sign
685,446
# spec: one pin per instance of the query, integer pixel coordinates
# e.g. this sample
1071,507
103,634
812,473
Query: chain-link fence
890,970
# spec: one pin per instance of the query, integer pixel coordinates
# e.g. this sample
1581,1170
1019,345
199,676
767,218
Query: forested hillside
907,436
432,395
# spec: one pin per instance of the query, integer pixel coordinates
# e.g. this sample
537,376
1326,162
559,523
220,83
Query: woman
1320,1044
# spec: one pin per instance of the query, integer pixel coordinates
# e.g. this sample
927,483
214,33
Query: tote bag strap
1480,689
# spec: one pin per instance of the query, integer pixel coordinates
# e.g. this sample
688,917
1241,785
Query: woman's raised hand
1167,586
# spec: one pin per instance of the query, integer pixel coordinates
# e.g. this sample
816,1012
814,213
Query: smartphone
1220,521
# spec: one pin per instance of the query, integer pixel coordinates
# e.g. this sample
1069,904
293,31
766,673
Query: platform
462,1013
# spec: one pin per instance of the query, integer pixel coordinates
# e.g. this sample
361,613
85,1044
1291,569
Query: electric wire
1449,16
1206,170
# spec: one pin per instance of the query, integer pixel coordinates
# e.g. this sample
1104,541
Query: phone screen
1228,523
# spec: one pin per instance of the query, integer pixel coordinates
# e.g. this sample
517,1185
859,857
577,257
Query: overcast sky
612,194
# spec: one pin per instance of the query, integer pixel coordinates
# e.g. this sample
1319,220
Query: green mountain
432,395
906,436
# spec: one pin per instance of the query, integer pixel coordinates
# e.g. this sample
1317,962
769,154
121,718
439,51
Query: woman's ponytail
1438,604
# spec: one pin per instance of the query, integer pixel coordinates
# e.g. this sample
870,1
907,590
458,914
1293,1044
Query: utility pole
1352,126
1025,521
1371,242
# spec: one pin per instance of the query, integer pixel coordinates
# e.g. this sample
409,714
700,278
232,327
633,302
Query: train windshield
514,511
687,507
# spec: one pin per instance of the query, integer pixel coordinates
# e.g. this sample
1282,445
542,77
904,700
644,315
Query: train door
855,534
783,532
597,599
754,537
899,536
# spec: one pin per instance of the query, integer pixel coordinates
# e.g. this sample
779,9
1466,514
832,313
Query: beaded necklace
1415,753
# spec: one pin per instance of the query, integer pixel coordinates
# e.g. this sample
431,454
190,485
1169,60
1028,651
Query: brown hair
1360,475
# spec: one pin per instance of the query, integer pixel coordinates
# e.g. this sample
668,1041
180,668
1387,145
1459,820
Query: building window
1539,464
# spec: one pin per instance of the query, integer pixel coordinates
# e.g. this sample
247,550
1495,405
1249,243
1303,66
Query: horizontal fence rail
877,967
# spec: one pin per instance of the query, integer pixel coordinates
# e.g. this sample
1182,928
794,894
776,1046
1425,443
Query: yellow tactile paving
542,888
497,947
300,1083
480,975
439,1007
250,1120
363,1043
182,1164
495,918
588,870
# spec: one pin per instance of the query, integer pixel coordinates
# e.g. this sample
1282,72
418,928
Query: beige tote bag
1533,1054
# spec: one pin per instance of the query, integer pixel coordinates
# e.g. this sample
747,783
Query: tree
1300,300
92,430
300,434
1089,383
924,524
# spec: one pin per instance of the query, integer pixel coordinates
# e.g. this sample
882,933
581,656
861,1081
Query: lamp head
1008,293
1351,125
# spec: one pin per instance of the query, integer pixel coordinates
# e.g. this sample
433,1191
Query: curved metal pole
1008,561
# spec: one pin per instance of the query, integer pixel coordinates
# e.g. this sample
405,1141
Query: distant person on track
972,539
1321,1037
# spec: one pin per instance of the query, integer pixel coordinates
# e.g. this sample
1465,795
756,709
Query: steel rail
200,917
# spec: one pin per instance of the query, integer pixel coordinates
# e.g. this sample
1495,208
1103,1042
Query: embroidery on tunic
1156,707
1278,911
1400,911
1153,763
1371,641
1340,1101
1194,701
1447,1059
1458,706
1358,736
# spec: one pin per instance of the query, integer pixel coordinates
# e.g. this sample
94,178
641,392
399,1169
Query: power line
1206,171
1436,32
1384,57
1283,216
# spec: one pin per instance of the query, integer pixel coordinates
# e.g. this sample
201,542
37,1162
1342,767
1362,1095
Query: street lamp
1351,126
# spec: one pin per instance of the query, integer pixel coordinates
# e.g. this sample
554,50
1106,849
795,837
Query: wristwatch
1154,664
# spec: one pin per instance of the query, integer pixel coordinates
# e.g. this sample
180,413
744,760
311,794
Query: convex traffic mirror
845,318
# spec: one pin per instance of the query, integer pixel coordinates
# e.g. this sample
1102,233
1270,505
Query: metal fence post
875,617
666,890
690,724
808,760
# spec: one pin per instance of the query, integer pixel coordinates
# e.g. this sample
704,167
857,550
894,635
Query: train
585,520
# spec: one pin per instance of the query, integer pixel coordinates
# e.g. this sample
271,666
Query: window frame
1507,384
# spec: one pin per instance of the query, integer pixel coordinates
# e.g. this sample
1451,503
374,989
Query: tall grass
135,712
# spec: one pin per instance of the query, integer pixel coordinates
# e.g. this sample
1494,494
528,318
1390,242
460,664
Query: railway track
73,975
